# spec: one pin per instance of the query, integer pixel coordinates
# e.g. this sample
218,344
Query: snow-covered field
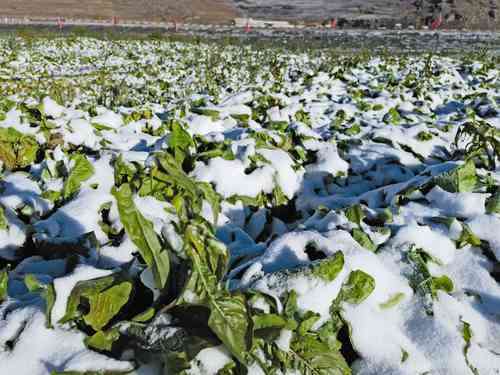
171,208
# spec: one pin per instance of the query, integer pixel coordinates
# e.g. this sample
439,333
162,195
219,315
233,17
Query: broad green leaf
103,340
328,269
81,172
229,321
358,287
462,179
493,204
180,141
328,332
308,322
313,357
142,234
442,283
268,321
16,149
47,292
85,289
363,239
191,192
124,171
105,305
355,214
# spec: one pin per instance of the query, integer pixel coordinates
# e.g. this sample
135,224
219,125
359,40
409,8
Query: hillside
478,14
216,11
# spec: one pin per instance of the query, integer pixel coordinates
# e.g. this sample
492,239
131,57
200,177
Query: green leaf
353,130
328,332
209,259
103,340
329,269
16,149
180,141
81,172
468,237
424,136
50,299
363,239
291,306
358,287
104,306
85,289
404,355
268,321
47,292
442,283
394,300
279,197
4,224
467,336
462,179
308,322
229,321
191,191
355,214
392,117
493,203
123,171
145,316
313,357
4,283
142,234
32,283
212,113
212,197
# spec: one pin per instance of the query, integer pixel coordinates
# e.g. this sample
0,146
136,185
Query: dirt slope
482,14
196,10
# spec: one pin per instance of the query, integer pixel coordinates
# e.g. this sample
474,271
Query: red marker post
436,24
248,28
60,23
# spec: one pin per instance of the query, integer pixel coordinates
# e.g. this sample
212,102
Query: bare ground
216,11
